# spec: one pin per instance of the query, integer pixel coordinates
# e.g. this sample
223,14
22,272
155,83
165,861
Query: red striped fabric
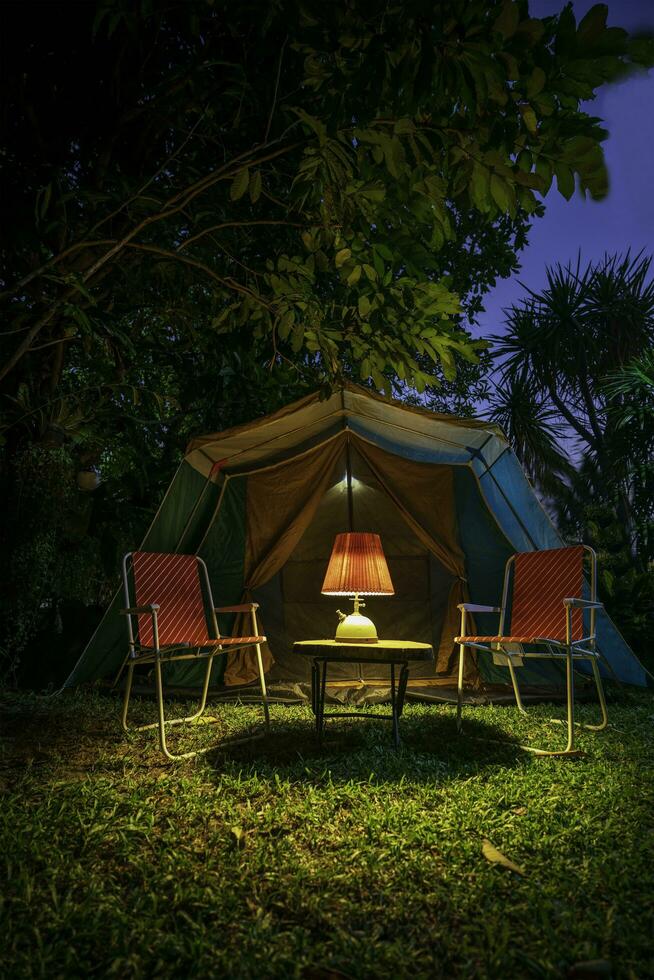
173,583
542,580
502,639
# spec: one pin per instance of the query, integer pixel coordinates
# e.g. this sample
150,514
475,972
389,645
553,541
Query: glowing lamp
357,567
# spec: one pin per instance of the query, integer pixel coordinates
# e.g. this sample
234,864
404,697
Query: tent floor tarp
367,694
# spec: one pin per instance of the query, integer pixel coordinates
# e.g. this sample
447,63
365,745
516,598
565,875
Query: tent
261,504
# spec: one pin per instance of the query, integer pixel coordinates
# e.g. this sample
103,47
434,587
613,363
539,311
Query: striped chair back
173,583
542,580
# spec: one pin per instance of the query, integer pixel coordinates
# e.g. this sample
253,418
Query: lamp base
356,629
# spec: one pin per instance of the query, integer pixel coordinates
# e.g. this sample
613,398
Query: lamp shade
357,566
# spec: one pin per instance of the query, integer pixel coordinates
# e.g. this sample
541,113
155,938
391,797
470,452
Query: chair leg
205,691
570,700
160,710
161,722
178,721
602,700
128,691
264,692
516,689
569,749
459,690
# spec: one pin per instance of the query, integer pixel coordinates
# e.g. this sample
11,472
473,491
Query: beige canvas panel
273,435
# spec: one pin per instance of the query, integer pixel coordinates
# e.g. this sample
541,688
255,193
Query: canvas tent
261,504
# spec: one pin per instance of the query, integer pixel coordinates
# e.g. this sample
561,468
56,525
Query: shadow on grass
431,750
75,737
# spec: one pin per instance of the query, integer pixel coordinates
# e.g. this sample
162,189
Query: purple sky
625,218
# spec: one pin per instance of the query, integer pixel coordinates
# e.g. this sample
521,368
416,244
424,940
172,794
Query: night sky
623,219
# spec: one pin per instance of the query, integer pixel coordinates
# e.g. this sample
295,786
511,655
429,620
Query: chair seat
224,641
232,641
506,639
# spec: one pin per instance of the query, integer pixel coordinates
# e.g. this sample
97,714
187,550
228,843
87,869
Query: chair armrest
139,610
583,603
473,607
246,607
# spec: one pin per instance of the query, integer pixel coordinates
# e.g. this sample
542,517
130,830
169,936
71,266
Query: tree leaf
354,276
503,194
508,20
342,256
364,306
536,82
492,854
255,186
240,184
529,117
592,25
565,181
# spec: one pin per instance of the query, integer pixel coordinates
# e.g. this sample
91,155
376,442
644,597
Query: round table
395,653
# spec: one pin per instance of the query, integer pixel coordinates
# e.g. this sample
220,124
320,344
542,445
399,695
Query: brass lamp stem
358,604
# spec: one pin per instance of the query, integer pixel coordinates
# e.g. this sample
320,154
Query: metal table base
319,685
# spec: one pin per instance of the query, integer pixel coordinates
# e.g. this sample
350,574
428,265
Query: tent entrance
293,608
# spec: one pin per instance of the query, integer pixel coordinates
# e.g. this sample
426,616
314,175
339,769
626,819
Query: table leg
394,703
314,688
320,718
404,677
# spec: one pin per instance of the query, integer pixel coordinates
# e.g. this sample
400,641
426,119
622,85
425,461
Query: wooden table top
380,650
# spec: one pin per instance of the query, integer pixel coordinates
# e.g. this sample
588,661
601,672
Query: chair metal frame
569,650
160,655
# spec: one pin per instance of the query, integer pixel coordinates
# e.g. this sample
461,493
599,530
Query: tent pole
348,471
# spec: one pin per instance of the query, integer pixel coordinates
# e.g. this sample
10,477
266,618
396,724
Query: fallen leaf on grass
591,970
492,854
239,836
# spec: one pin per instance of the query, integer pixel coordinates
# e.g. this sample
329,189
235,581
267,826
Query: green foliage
356,860
307,210
576,398
201,230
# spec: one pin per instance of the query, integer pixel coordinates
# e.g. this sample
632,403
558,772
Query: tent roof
314,418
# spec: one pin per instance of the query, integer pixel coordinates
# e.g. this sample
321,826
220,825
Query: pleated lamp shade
357,566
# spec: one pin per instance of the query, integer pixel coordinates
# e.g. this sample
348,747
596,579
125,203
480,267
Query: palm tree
576,397
555,361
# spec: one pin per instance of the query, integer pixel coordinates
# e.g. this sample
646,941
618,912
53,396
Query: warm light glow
357,566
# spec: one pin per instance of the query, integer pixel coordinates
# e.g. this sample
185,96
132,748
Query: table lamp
357,567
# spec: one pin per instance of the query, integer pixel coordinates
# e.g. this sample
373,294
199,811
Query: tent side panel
185,509
486,550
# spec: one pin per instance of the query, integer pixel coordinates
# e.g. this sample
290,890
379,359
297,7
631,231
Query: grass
283,860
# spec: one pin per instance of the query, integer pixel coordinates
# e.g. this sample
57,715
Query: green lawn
283,860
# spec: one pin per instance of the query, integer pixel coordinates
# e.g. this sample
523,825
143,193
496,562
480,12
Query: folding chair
167,622
547,611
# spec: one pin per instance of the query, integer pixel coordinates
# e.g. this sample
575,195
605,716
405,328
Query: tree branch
572,420
236,224
228,283
274,101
